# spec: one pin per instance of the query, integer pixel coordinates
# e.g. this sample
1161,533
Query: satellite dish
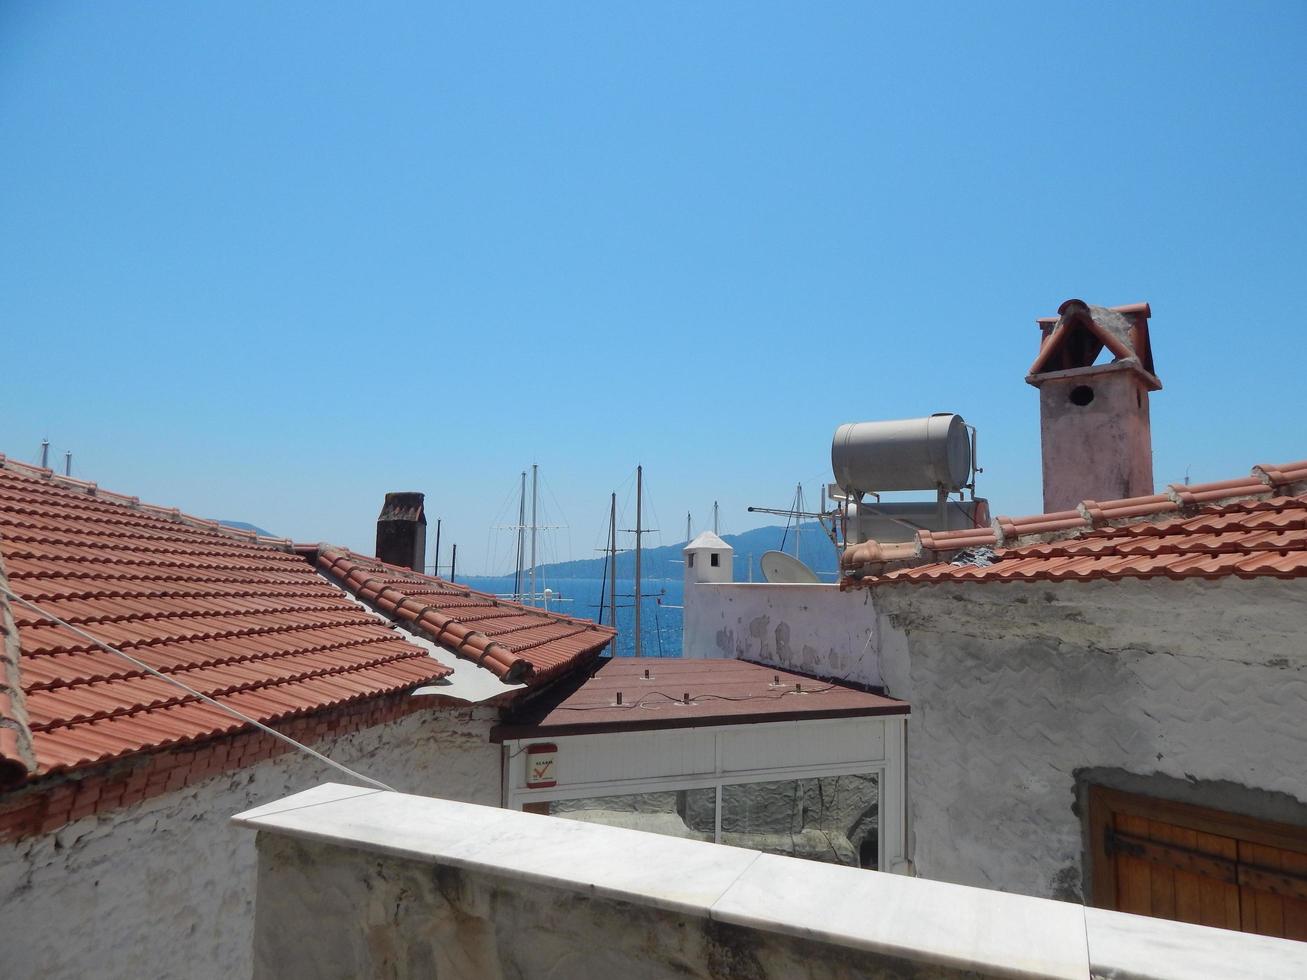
779,568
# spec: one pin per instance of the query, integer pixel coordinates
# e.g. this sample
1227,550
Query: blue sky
268,261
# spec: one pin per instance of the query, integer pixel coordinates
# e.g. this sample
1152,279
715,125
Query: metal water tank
905,454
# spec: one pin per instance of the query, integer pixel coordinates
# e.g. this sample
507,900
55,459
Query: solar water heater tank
931,453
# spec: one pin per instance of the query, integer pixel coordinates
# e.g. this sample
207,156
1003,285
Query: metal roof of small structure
663,693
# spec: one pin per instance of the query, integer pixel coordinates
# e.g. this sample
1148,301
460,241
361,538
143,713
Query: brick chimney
402,531
1094,426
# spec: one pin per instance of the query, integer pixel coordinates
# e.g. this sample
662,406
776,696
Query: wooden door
1193,864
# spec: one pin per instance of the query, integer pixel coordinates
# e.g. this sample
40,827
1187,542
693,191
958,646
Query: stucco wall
166,888
1021,693
812,628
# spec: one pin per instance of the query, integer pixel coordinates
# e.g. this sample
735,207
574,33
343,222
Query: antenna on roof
45,454
68,463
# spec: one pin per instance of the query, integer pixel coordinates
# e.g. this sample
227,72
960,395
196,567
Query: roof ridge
134,503
1175,501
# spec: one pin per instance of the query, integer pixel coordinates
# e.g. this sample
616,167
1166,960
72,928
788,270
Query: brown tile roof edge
350,571
1266,481
542,716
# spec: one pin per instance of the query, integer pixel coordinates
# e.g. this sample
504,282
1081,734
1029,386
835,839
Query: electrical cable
640,702
192,691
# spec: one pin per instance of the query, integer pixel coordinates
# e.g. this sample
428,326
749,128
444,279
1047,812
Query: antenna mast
714,517
68,463
45,454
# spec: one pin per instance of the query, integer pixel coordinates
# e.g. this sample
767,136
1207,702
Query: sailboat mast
535,496
639,533
521,539
612,563
798,519
687,528
714,517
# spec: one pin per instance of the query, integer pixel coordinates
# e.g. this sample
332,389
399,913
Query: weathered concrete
166,888
812,628
1022,693
1099,450
363,884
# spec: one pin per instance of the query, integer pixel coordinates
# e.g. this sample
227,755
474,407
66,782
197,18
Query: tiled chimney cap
1077,336
403,505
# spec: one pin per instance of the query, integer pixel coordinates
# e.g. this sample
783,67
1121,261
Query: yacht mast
534,500
798,521
612,563
521,539
639,533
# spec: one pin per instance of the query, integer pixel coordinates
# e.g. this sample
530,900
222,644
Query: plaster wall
1099,451
811,628
1022,693
166,888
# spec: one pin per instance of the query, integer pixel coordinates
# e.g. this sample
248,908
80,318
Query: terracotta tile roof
518,643
1251,526
242,618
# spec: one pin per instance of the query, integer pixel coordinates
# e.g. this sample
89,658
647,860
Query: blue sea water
660,614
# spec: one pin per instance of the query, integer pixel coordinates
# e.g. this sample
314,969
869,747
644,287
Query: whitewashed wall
1190,690
166,889
1022,693
811,628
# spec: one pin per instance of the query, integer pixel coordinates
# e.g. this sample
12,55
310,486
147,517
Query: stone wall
165,888
1022,694
812,628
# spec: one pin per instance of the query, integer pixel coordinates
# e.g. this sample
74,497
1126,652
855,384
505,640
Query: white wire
190,690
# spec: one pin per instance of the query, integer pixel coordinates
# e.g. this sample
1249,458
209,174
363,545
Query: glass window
714,559
689,813
691,559
833,819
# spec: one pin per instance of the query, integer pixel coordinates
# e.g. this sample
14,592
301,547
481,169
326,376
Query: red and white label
541,765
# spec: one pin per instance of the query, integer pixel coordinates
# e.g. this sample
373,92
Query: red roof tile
240,617
517,642
1246,527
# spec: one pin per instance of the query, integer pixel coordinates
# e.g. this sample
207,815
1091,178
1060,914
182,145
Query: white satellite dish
778,568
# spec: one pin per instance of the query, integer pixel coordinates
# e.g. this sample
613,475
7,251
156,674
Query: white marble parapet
357,882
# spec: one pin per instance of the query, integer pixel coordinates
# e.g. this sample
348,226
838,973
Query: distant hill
246,526
816,551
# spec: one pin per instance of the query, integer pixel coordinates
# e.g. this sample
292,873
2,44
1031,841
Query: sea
660,614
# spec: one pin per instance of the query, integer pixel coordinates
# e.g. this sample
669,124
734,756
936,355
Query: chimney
1094,373
402,531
